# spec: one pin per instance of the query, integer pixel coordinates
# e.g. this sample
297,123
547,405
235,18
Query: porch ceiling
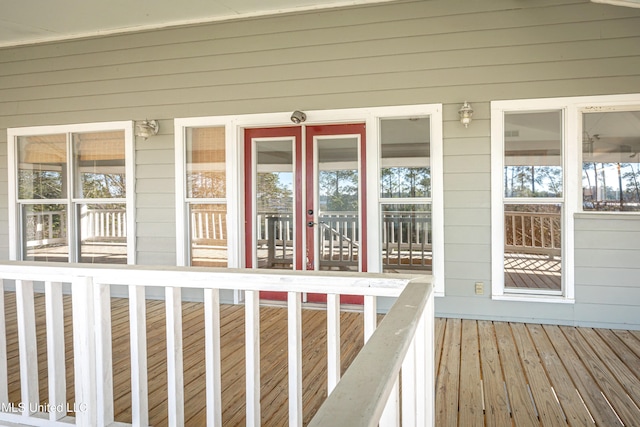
35,21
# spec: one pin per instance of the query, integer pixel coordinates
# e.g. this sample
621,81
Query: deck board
488,373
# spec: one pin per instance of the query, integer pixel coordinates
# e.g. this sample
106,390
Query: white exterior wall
398,53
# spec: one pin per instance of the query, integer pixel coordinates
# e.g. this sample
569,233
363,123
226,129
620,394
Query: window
206,189
611,161
552,159
72,196
405,194
533,201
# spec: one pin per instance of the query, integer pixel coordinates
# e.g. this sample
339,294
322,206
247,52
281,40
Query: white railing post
104,359
84,352
252,343
54,312
294,318
27,346
175,376
213,357
333,341
4,386
409,380
138,333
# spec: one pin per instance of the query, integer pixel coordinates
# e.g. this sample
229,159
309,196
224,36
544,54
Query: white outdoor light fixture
147,128
465,112
298,117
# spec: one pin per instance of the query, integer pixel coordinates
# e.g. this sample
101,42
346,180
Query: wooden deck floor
488,373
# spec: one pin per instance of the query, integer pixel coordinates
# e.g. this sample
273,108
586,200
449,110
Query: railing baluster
294,308
391,413
4,386
175,376
104,359
213,357
370,316
333,341
27,345
252,344
138,335
84,351
409,380
54,312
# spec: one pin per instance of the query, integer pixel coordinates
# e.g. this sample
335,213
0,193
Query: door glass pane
405,158
205,163
42,167
611,161
533,258
406,238
533,154
103,233
338,203
274,204
208,231
99,161
44,233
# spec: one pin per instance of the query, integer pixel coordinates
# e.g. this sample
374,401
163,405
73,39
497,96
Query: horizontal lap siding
409,52
608,269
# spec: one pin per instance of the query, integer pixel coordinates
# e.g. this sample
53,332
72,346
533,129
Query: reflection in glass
338,204
99,165
533,252
405,152
205,163
533,154
274,203
208,231
611,161
44,229
103,233
406,237
42,167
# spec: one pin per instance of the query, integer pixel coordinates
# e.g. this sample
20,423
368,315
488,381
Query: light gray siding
408,52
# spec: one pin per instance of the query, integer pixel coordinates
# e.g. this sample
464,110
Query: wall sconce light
147,128
298,117
465,112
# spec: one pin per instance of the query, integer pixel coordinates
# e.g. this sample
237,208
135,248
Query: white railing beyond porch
404,339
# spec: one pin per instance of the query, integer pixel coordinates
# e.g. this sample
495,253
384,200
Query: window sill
551,299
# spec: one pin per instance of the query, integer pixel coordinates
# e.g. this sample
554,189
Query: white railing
49,228
103,224
533,233
404,338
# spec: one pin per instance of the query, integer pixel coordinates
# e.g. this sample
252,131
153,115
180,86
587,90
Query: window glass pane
42,167
99,161
533,154
205,163
44,233
103,233
611,161
533,258
338,245
208,230
406,237
274,203
405,151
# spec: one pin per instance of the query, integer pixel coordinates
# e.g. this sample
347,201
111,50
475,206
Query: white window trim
234,126
572,108
12,159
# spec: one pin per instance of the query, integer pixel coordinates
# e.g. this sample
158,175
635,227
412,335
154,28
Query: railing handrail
373,284
361,396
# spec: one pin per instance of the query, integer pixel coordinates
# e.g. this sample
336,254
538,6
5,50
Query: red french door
305,200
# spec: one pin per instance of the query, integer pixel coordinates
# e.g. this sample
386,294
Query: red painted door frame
303,261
